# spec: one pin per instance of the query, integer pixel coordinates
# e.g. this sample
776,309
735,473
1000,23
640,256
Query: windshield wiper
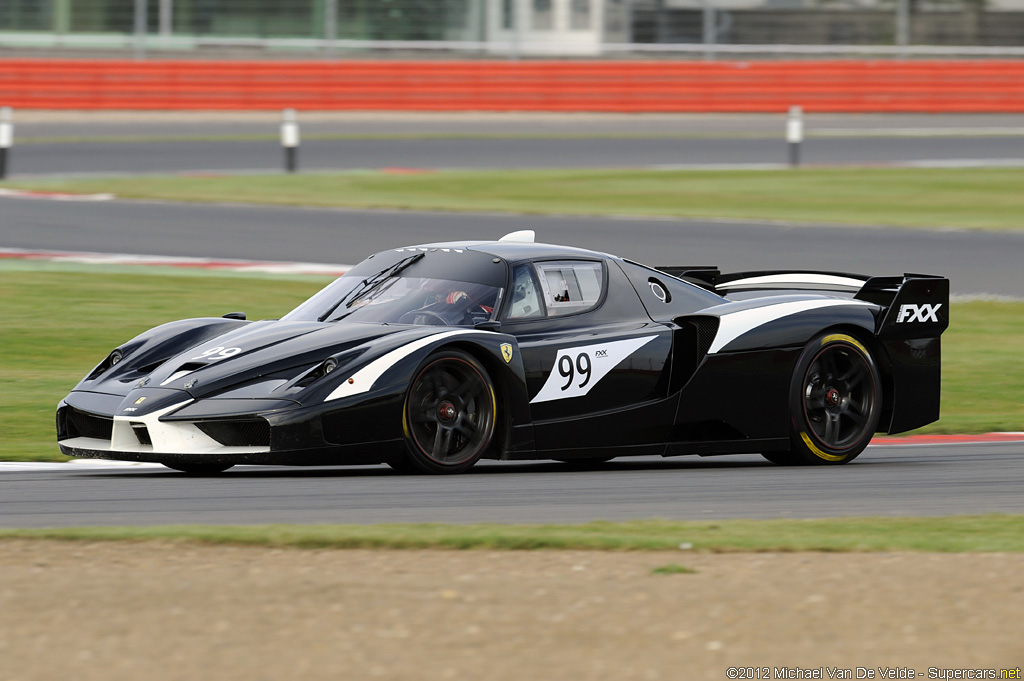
370,283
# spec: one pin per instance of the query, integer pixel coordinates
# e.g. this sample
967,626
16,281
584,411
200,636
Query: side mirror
489,325
240,316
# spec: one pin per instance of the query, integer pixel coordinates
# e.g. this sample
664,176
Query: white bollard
290,139
795,134
6,137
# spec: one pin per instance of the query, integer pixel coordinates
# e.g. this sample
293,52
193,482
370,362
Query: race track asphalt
884,481
103,157
154,142
976,262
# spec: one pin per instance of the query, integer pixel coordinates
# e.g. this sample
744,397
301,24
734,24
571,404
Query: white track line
234,265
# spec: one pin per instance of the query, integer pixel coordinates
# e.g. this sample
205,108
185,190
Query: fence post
290,139
795,134
517,28
331,28
710,30
141,27
6,138
661,17
903,23
166,18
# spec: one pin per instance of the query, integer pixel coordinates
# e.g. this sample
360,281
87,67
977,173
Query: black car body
431,357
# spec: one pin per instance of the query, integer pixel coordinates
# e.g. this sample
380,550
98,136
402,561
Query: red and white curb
932,440
232,265
53,196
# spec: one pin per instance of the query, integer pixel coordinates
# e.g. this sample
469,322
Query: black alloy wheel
835,402
449,416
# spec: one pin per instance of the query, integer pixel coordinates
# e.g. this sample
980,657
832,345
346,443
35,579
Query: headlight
319,371
328,366
109,361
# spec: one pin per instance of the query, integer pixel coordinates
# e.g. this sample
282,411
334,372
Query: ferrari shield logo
506,352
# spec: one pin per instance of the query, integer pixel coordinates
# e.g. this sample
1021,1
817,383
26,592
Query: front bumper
186,431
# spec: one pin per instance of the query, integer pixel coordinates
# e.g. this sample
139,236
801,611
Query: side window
525,299
570,286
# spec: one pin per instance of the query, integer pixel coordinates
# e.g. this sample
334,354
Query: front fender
391,368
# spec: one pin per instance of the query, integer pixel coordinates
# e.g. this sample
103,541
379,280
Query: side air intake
707,328
692,342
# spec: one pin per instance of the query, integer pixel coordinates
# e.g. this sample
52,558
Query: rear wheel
835,401
449,415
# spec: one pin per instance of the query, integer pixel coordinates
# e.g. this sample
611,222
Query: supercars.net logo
919,313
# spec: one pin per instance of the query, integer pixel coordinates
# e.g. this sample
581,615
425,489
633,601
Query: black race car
431,357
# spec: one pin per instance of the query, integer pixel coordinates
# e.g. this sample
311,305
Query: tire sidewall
806,446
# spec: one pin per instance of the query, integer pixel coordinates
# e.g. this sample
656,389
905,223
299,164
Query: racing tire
197,468
449,415
835,402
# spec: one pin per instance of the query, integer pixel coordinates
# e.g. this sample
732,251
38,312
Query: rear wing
917,305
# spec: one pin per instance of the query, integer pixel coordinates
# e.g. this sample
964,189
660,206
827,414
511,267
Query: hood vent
183,370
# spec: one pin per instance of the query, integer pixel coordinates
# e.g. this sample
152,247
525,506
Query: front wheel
449,415
835,401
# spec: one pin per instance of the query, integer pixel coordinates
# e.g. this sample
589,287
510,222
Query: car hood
268,354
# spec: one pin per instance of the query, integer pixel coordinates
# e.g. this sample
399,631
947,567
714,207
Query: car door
596,364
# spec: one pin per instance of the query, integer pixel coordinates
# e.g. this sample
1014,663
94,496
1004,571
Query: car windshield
401,293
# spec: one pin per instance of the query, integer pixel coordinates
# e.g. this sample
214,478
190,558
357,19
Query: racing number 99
568,370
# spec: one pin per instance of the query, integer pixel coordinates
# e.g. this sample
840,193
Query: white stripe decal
363,380
794,280
575,378
732,326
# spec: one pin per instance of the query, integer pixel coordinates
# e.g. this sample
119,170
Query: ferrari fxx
431,357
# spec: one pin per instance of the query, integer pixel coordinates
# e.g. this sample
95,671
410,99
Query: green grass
673,569
982,369
949,534
57,324
975,198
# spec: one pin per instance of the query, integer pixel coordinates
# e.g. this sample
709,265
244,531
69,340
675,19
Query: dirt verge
157,610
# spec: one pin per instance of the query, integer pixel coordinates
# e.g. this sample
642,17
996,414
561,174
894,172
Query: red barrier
634,86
